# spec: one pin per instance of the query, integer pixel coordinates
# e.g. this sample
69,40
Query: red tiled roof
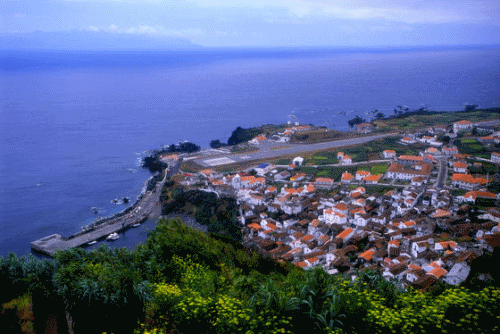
446,244
438,272
307,238
475,194
467,178
411,157
347,176
345,233
394,243
459,164
255,226
367,255
440,213
372,177
301,264
340,206
324,179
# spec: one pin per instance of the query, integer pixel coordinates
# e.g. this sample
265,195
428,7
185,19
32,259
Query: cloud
138,30
142,30
20,16
147,30
416,11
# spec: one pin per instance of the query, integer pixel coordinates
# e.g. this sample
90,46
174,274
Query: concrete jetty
148,206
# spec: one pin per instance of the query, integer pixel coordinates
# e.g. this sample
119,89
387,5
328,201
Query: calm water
72,126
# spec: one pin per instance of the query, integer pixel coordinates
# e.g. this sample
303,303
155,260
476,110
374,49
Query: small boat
112,237
136,224
92,243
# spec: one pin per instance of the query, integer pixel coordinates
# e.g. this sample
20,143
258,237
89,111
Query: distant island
92,40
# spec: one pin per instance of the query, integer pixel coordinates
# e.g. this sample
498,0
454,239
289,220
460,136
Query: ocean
73,125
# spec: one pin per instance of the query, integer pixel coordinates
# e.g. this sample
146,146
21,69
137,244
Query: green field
379,169
474,148
336,172
430,118
467,140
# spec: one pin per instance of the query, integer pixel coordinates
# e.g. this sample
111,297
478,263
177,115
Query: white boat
92,243
112,237
136,225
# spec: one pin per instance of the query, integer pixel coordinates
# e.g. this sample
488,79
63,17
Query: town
420,217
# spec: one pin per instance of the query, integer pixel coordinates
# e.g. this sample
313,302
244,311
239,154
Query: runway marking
218,161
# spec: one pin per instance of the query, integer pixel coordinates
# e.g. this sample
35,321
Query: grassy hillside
413,120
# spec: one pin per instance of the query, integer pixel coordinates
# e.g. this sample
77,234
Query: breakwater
147,206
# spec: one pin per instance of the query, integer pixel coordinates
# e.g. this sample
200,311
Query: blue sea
73,125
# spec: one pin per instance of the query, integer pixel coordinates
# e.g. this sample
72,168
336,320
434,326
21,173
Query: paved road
266,150
442,173
147,207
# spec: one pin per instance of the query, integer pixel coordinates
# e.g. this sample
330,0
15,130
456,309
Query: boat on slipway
112,237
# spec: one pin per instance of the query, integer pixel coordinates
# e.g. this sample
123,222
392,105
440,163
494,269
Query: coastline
100,221
146,206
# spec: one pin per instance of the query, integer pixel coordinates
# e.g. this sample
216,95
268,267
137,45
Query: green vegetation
241,135
320,135
327,171
474,148
336,172
379,169
484,168
373,150
457,192
468,140
219,214
15,316
377,189
325,158
182,281
423,118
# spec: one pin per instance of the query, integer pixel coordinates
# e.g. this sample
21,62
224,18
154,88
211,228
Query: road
147,207
266,150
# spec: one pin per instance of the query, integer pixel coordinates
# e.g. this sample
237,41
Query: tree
470,107
356,120
379,115
216,144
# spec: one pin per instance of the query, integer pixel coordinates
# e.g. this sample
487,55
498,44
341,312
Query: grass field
336,172
467,140
379,169
425,120
474,148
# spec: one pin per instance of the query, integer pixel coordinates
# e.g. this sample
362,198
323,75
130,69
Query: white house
334,217
298,161
462,126
459,167
389,154
418,248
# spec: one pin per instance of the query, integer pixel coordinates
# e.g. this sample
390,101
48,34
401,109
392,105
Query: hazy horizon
273,23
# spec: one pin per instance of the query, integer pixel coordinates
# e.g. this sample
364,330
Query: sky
267,22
